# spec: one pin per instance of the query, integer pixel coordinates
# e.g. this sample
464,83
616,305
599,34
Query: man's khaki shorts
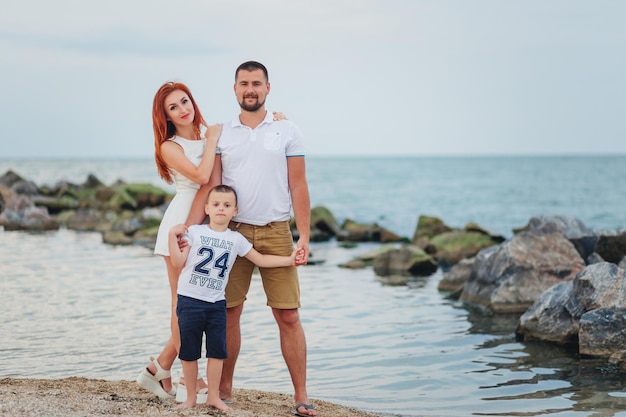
281,285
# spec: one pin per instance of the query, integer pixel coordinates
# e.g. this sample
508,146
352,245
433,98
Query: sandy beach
74,397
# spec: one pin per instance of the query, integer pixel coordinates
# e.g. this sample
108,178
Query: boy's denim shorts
195,318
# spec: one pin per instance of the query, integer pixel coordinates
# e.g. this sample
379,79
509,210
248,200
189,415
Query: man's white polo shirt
254,163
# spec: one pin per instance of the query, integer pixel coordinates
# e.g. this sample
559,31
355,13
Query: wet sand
73,397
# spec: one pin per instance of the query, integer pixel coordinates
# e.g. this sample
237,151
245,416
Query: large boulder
548,319
583,238
31,218
611,246
20,213
589,311
511,276
9,178
455,278
602,332
570,227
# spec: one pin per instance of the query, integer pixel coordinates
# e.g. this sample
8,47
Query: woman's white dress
180,206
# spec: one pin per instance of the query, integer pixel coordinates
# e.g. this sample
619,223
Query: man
263,160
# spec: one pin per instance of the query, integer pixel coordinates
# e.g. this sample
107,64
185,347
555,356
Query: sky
359,77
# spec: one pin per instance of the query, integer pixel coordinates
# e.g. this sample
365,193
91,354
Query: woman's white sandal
181,394
201,397
152,383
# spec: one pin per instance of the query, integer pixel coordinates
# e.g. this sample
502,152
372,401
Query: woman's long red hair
164,129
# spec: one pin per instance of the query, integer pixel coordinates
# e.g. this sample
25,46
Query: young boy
211,251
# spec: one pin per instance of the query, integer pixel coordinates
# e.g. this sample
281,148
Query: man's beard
251,107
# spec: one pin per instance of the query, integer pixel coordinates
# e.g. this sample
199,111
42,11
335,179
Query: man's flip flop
295,411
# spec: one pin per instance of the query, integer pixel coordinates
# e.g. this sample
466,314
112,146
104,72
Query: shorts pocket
282,228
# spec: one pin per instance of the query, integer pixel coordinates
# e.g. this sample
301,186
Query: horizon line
336,156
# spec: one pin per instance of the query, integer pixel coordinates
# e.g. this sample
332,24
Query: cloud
113,42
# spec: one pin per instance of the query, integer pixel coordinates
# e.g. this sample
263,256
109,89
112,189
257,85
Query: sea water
73,306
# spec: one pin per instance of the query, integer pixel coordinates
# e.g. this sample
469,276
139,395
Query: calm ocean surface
73,306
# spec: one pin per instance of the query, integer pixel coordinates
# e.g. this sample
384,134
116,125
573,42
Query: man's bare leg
293,347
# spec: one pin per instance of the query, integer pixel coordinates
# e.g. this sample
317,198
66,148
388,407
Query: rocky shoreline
129,214
79,397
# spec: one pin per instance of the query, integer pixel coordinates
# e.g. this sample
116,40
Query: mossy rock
146,236
365,259
121,200
149,224
323,219
56,205
428,226
406,260
369,256
146,195
117,238
451,247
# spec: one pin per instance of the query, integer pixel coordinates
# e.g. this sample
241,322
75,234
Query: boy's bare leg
233,345
213,375
201,384
190,372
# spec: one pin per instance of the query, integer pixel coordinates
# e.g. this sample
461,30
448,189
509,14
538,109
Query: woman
184,157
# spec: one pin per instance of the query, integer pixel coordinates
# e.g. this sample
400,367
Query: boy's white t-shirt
211,257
